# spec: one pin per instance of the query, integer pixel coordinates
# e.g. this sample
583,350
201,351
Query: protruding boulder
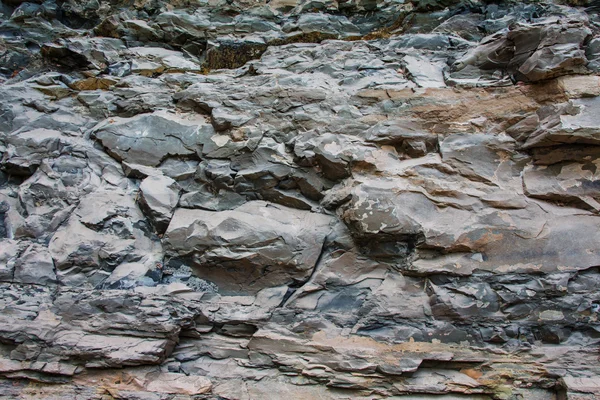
332,153
257,245
459,232
425,72
35,266
559,50
9,252
159,195
406,135
575,122
533,52
104,231
576,183
85,53
147,139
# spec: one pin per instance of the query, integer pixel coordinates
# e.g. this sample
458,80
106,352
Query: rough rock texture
300,199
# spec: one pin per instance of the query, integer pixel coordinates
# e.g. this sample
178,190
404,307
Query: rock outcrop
300,199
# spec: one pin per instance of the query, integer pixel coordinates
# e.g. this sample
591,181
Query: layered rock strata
299,199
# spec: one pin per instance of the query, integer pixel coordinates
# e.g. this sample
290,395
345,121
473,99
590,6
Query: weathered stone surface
534,52
299,199
159,196
425,73
104,231
573,182
8,258
256,245
35,266
149,138
78,53
574,122
175,383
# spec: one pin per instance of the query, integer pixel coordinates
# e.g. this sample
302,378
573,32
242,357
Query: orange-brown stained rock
473,373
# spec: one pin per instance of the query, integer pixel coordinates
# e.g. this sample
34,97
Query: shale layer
299,199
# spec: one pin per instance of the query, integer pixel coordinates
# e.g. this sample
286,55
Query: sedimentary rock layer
299,199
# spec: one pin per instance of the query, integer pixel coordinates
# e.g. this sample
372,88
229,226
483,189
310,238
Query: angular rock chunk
482,157
9,252
379,225
424,72
147,139
223,118
236,141
575,122
322,24
592,53
566,153
10,218
83,53
26,150
560,59
558,52
105,230
179,24
179,170
225,53
131,274
463,302
577,183
113,350
88,328
150,60
179,383
431,5
35,265
52,192
406,135
257,245
206,199
533,52
269,174
332,153
581,387
159,196
468,233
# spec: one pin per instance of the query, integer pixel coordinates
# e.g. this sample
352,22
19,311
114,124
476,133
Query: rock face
301,199
254,246
159,196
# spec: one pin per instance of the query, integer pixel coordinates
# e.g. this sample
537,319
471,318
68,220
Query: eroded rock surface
254,246
299,199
